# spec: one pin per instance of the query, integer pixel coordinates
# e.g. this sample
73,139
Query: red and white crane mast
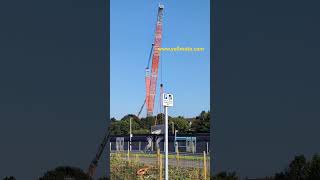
151,77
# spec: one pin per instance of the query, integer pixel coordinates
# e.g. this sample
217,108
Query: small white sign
167,100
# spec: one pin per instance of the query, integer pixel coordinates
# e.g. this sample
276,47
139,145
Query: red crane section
151,77
148,83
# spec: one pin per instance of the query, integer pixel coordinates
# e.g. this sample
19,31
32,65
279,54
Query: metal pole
139,145
128,152
130,133
194,143
175,140
152,145
172,127
166,144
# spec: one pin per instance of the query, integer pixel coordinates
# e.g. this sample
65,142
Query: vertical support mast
151,77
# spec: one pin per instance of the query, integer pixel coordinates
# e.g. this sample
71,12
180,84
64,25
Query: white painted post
152,145
130,133
166,143
175,140
167,102
195,146
207,147
177,146
139,145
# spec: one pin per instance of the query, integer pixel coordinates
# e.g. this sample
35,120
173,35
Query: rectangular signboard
167,100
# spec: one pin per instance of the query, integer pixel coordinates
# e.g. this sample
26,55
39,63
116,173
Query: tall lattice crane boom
151,77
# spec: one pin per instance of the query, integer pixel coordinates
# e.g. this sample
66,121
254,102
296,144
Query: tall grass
123,168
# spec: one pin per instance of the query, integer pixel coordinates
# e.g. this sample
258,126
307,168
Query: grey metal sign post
167,101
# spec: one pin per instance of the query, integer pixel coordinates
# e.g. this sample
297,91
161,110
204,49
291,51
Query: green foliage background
199,124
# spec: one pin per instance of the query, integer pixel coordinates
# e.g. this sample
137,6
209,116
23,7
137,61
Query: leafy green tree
122,127
132,116
115,128
180,124
160,118
113,119
202,123
314,168
298,168
141,131
143,125
147,122
65,172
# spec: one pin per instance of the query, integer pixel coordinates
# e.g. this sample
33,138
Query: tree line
198,124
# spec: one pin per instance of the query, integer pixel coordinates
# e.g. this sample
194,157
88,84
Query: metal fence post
204,165
139,145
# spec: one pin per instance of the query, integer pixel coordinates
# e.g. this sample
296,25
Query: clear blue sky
185,74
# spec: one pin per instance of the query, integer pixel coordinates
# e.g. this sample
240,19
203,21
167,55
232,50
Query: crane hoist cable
150,56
